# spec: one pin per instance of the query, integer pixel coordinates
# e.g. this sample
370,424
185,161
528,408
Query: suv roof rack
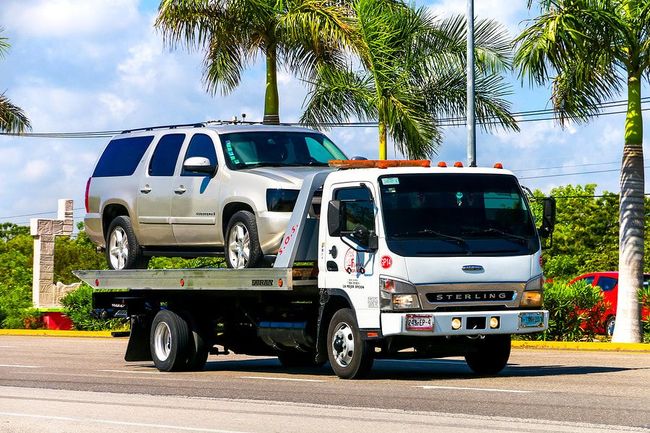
201,125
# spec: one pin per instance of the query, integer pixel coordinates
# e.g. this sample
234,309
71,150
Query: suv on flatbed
193,190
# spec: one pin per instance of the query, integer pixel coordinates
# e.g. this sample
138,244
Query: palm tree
408,73
12,118
297,34
591,51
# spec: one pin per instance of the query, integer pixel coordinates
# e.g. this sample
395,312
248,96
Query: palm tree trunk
383,149
630,259
271,100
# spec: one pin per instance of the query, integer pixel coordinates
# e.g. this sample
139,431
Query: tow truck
380,259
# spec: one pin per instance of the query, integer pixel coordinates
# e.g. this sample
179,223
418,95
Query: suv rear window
122,156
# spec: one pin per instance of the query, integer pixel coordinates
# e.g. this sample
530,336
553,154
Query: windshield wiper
442,236
521,239
263,164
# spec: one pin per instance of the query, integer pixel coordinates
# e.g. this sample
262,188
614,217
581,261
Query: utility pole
471,120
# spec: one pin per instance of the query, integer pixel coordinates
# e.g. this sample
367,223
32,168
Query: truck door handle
145,189
180,190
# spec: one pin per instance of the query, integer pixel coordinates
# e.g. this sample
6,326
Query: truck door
349,260
194,196
154,192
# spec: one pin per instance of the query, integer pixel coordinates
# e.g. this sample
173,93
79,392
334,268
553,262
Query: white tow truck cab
390,259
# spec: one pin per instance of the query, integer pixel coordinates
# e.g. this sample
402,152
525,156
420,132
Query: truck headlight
533,294
281,200
397,295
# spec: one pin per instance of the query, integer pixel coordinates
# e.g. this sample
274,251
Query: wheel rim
239,246
163,341
610,327
118,248
343,345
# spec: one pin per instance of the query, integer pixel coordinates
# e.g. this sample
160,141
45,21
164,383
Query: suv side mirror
199,164
548,218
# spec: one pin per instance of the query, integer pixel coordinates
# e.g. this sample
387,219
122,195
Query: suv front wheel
242,248
122,248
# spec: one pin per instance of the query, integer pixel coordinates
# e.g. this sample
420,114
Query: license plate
419,322
531,320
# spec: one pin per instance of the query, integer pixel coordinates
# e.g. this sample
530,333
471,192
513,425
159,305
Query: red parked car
608,283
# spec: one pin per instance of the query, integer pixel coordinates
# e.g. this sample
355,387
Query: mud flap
138,347
321,329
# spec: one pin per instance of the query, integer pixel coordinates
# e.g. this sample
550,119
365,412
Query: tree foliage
408,72
12,117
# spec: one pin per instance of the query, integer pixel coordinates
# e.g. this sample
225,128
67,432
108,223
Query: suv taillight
86,195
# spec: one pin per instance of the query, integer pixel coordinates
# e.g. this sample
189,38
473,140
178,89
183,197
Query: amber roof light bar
378,163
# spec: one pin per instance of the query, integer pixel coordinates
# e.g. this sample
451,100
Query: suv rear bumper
94,230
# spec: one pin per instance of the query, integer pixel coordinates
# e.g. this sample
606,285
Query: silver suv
195,190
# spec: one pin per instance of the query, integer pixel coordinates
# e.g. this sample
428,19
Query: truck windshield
278,149
456,214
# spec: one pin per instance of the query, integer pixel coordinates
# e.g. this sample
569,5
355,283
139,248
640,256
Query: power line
442,122
574,174
35,214
564,166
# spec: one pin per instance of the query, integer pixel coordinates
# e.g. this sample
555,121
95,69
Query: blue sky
99,65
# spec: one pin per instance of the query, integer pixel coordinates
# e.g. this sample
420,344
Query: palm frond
4,44
338,95
12,118
414,132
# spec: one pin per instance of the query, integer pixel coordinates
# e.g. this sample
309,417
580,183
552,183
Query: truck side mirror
334,218
548,217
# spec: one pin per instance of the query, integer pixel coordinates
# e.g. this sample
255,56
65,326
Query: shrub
644,299
78,307
570,308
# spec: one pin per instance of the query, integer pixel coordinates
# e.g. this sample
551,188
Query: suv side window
122,156
606,283
200,145
163,161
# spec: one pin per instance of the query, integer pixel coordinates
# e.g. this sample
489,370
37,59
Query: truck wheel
490,355
294,358
609,326
122,248
200,350
350,356
170,341
242,243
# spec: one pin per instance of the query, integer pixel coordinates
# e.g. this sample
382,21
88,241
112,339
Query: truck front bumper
427,323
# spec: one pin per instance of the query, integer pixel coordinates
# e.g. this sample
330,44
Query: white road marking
288,379
462,388
111,422
19,366
130,372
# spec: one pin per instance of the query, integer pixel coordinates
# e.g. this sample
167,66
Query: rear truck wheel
350,356
295,358
489,356
200,350
242,246
170,342
122,248
609,326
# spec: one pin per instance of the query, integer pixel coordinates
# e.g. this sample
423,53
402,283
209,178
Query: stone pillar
44,292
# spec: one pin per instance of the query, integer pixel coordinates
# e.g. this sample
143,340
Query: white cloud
510,13
68,18
35,170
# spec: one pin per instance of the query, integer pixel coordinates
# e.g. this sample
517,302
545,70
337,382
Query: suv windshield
456,214
278,149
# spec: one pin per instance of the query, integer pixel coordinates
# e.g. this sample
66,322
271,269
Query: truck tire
122,247
609,325
294,358
490,355
200,350
242,245
351,357
170,342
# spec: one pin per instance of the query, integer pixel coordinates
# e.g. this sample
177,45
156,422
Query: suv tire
122,248
242,245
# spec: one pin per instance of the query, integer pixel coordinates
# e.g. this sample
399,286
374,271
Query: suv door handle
145,189
180,190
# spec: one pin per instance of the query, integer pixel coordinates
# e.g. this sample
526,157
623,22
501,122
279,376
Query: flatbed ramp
265,279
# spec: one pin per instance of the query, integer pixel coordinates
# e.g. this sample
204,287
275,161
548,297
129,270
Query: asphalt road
83,385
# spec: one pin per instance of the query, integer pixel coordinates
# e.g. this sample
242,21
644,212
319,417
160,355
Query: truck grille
474,296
